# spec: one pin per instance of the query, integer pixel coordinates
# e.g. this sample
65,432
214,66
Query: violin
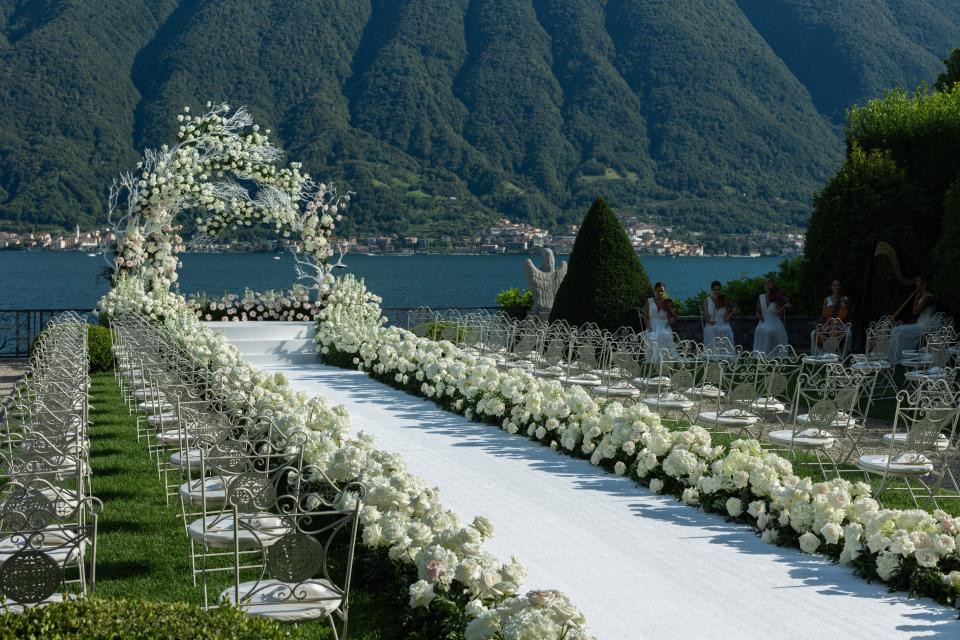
837,310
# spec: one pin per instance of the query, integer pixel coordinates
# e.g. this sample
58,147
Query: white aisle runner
637,564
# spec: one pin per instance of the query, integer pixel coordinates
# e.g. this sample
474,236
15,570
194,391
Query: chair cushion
706,391
728,418
669,402
942,444
654,382
806,439
211,490
842,420
823,358
903,464
771,405
256,530
276,600
616,391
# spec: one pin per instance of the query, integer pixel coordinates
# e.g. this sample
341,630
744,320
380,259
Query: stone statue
544,283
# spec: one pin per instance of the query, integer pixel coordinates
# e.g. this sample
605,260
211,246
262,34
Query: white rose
888,565
831,532
756,508
421,594
953,579
926,558
809,542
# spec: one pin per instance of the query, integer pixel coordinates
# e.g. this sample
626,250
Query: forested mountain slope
720,115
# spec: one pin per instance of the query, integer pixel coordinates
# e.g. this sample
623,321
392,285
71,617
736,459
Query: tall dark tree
946,281
952,75
605,282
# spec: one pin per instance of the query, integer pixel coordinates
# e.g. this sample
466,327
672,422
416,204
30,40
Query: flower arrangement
914,549
223,166
253,306
400,514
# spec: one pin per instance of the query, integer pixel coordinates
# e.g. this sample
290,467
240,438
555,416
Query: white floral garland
749,483
400,513
294,305
224,166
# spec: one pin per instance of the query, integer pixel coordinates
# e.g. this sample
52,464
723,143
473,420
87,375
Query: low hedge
99,348
109,619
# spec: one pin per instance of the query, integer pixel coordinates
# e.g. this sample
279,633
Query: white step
269,347
282,359
264,330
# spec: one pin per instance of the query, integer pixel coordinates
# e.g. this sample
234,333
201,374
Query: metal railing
19,328
400,316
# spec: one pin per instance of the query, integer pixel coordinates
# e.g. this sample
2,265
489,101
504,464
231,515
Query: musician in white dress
717,309
658,317
771,333
907,337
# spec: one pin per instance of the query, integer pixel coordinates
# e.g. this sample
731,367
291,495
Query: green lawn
142,548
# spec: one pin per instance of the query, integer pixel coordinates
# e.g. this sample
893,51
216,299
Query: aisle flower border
911,550
400,513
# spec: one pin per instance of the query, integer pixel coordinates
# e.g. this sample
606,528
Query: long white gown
906,337
771,332
717,336
844,348
659,334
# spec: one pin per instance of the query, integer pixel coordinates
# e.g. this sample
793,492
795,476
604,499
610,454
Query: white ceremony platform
637,564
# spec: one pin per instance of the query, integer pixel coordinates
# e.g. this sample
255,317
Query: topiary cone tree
605,282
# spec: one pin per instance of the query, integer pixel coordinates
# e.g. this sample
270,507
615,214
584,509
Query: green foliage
94,618
605,281
952,75
512,108
789,277
515,298
946,280
99,348
870,195
921,131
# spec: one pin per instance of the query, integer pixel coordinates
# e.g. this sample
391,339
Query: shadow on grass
123,569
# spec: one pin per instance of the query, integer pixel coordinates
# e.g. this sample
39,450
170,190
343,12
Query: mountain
715,115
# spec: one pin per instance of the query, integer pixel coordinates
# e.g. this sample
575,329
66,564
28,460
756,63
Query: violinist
836,307
717,309
659,316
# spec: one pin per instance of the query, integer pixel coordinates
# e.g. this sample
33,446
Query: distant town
503,237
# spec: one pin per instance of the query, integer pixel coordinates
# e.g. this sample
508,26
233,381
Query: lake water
46,279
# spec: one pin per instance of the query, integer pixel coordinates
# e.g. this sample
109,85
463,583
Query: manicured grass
142,548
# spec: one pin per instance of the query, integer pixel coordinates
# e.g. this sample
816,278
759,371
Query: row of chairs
48,515
273,533
815,408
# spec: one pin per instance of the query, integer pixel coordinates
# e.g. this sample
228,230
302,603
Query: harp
886,290
884,250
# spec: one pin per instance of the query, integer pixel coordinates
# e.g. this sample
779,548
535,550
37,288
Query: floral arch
225,170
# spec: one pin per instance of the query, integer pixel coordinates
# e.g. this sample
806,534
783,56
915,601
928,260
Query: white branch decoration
216,158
